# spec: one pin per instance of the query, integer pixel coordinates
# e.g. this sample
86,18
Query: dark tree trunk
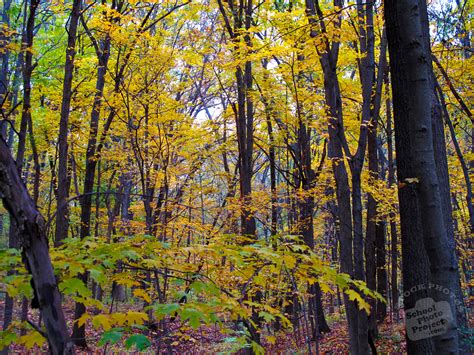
439,149
412,92
5,95
30,226
307,181
26,64
244,113
393,225
375,232
27,44
78,333
367,73
244,126
63,180
332,94
443,174
272,163
380,228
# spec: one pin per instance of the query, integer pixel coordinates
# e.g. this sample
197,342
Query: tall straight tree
332,93
417,171
103,54
241,14
439,148
349,196
4,68
63,185
244,110
375,230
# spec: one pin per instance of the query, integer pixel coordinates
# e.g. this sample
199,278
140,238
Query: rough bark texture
31,232
412,93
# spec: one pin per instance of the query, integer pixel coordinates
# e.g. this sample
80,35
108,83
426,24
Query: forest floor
182,339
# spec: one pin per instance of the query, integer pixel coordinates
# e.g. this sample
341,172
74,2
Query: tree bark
391,181
332,95
412,94
62,222
30,226
26,65
78,333
375,230
4,69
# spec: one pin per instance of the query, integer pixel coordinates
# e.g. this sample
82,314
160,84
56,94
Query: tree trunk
27,44
393,225
30,226
78,333
26,64
4,70
62,222
417,170
332,94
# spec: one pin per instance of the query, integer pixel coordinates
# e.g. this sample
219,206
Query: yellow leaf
352,295
119,318
271,339
136,317
138,292
325,288
31,339
290,261
83,319
361,303
102,320
364,305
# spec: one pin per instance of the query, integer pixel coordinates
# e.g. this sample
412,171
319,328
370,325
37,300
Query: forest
236,176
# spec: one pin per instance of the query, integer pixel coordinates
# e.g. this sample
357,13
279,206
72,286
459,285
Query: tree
63,180
421,207
30,227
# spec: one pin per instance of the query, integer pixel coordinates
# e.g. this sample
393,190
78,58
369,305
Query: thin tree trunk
391,181
332,94
62,222
375,232
27,44
4,70
78,333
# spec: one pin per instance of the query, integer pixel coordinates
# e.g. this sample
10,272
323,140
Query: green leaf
194,316
112,336
267,316
74,285
140,341
164,309
97,274
131,254
7,337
